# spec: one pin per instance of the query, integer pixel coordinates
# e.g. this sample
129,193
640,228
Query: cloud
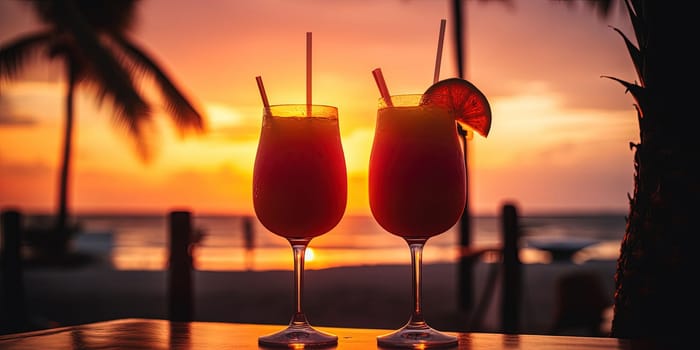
11,120
23,168
8,117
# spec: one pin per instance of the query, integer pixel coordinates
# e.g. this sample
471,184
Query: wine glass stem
416,247
299,249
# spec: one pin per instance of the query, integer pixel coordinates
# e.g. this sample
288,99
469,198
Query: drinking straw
441,39
261,87
381,84
308,73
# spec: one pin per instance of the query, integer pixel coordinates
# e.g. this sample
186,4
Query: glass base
416,337
295,336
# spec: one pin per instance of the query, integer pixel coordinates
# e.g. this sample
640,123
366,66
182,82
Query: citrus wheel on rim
464,101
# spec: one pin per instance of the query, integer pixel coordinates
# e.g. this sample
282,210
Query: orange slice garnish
463,100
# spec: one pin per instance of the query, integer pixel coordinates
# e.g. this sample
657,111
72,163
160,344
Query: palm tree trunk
656,292
62,217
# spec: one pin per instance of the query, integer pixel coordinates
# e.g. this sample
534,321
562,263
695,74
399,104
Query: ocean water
140,242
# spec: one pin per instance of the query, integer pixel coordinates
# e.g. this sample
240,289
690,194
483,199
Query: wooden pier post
511,292
180,296
13,317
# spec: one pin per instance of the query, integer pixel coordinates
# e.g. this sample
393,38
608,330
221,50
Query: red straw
441,39
261,87
381,84
308,70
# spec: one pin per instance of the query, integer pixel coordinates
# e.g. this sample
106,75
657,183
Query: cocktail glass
417,189
299,192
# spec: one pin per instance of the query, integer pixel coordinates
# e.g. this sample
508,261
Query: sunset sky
559,138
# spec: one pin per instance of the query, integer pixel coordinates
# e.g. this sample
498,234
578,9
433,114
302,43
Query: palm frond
637,22
19,52
639,93
102,16
603,6
636,55
104,73
133,119
183,113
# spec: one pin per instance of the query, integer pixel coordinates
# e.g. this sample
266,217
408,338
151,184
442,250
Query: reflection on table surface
138,333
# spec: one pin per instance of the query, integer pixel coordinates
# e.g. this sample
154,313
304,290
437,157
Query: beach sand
362,297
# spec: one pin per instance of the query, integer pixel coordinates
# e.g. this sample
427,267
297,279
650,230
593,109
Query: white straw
441,39
308,70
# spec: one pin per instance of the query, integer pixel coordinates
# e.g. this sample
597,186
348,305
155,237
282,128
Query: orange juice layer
300,181
417,175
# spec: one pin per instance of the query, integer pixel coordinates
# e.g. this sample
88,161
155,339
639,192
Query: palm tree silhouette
655,292
90,37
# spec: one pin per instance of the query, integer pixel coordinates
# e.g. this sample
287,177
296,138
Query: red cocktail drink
299,182
417,186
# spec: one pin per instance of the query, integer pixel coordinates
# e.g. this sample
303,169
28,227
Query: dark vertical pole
12,311
180,267
466,263
510,303
458,30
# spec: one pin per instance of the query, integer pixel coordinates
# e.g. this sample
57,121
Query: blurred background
558,145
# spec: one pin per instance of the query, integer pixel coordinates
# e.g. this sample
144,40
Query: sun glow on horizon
309,254
220,115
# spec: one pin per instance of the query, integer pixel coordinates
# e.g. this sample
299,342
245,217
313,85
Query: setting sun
309,255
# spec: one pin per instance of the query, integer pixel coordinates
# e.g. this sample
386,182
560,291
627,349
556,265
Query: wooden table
136,333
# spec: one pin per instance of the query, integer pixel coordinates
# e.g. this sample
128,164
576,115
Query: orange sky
559,139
